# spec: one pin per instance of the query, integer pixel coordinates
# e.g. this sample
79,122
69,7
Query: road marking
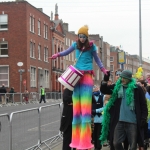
43,125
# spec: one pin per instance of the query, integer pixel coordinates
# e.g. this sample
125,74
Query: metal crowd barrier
4,132
36,128
13,99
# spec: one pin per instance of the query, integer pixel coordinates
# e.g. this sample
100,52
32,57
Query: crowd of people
120,111
7,96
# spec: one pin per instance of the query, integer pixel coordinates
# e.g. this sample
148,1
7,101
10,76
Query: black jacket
140,110
67,113
3,90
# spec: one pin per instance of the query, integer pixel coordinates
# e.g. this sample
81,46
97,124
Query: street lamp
20,71
140,34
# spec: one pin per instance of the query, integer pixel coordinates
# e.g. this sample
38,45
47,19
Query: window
108,63
39,28
45,31
4,75
73,56
4,22
97,49
66,41
112,68
32,24
3,48
112,77
108,52
46,78
69,57
33,77
46,54
39,52
32,50
111,58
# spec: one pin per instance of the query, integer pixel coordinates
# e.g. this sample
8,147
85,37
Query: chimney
51,15
56,12
40,9
65,26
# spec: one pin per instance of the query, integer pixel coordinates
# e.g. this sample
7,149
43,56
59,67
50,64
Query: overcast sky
116,20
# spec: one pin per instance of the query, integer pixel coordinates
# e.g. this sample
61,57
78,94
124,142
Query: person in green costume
125,113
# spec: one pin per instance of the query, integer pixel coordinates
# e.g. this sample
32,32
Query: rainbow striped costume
82,97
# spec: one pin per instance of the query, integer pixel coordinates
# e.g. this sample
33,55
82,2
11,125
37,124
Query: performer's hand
106,77
54,56
104,71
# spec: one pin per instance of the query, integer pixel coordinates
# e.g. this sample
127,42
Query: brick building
24,37
58,45
132,62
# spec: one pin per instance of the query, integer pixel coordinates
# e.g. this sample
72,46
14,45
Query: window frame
3,81
46,72
111,67
39,27
32,24
39,52
45,54
112,59
2,43
33,81
4,23
32,49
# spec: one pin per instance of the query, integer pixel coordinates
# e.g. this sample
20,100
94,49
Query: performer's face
117,75
124,81
82,38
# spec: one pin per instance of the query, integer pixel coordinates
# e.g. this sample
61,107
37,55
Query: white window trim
39,52
113,68
8,72
46,78
35,81
32,24
39,27
32,49
45,54
111,57
4,42
6,23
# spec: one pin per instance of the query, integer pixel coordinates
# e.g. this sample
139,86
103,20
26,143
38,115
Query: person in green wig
125,113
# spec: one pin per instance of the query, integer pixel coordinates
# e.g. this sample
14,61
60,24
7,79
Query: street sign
24,82
20,64
21,70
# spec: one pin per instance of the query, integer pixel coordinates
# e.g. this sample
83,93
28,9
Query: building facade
24,37
132,63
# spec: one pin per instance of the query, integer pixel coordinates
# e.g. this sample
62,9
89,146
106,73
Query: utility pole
140,34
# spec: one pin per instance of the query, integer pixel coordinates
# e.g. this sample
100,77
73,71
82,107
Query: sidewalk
59,147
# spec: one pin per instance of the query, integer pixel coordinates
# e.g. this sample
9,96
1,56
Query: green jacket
42,91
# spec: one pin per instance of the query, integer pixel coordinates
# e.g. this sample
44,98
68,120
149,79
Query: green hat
126,74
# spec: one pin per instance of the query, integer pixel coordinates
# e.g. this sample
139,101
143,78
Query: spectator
42,94
26,96
11,94
126,112
66,119
2,94
97,109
